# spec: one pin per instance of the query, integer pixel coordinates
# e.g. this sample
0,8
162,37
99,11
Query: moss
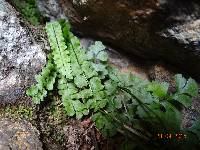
49,119
18,112
52,119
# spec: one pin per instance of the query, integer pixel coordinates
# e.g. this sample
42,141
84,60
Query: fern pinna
118,102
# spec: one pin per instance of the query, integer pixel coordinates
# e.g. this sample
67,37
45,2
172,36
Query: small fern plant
118,102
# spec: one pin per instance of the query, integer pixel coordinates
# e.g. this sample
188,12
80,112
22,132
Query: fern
117,101
185,89
45,82
99,58
60,53
83,84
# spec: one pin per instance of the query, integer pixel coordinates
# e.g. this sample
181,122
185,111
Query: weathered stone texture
18,135
21,57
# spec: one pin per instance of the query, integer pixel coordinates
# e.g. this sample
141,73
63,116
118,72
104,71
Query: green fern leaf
88,70
96,85
158,89
111,87
68,104
60,54
96,51
105,124
186,89
85,94
80,81
45,81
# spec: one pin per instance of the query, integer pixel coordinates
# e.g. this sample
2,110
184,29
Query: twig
94,139
90,127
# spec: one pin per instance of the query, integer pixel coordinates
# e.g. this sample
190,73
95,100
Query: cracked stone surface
18,135
21,58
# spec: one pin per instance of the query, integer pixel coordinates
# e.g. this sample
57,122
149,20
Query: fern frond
45,82
59,48
85,75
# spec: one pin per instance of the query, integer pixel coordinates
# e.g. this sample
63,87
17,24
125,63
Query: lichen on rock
18,135
21,57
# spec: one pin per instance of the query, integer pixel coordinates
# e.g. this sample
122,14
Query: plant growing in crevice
28,10
118,102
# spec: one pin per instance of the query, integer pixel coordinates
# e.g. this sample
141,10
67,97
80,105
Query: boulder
164,30
18,135
21,56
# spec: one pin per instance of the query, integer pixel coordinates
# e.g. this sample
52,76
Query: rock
18,135
73,134
163,73
152,29
160,73
50,9
21,56
191,114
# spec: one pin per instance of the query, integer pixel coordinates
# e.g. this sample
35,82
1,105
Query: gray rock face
152,29
50,9
21,57
18,135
